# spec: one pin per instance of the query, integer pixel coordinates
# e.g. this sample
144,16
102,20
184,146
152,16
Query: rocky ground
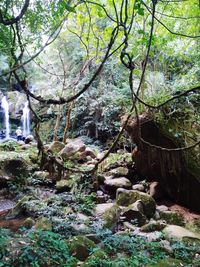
113,218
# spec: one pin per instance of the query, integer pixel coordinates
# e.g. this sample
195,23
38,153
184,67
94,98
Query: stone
130,226
138,187
72,148
126,197
111,217
153,226
134,212
88,154
172,217
80,247
29,139
63,186
166,246
162,208
120,182
41,175
181,233
56,147
102,208
119,171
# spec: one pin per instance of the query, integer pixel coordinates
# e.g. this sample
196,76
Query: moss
111,216
43,224
126,197
80,247
172,218
168,262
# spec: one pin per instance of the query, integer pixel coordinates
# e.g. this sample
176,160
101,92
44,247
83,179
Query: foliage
41,248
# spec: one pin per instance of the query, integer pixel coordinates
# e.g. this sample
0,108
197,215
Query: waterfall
5,106
26,120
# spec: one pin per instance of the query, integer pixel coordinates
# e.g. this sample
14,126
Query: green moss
168,262
80,247
111,216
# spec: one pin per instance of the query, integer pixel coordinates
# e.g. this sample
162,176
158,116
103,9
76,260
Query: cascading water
26,120
5,106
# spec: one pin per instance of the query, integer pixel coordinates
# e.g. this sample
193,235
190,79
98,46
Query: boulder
153,226
126,197
111,217
172,217
80,247
119,172
63,186
72,148
181,233
120,182
138,187
87,155
102,208
135,212
29,139
56,147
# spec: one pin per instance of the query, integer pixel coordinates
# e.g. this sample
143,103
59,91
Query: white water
26,120
5,106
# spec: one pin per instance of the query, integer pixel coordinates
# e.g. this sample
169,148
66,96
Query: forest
99,133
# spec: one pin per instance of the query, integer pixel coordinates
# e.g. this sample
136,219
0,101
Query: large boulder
72,148
126,197
135,212
13,167
80,247
181,233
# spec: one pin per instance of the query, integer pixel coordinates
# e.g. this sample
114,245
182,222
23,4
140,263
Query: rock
29,139
82,217
94,238
118,172
63,186
21,143
126,197
181,233
72,148
111,216
121,182
80,247
168,262
138,187
130,226
102,208
162,208
134,212
41,175
156,191
153,226
152,236
86,154
56,147
172,217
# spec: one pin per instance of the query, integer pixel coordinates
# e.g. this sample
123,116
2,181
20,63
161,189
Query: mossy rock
172,218
193,225
168,262
80,247
63,186
111,216
127,197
